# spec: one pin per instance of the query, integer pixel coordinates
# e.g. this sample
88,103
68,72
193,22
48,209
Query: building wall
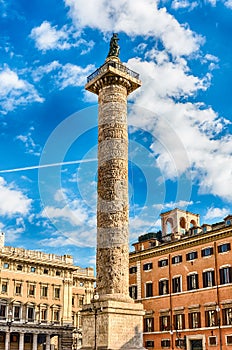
200,254
41,294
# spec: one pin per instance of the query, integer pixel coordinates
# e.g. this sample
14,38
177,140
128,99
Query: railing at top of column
113,64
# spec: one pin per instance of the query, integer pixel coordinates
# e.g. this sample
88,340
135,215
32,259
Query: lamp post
219,326
9,323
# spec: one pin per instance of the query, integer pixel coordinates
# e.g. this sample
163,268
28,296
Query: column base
112,325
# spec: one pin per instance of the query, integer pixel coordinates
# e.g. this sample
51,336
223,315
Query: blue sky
180,150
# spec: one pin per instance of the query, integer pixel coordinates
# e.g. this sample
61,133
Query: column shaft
112,209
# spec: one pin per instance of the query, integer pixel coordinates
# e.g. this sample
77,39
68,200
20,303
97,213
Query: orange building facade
183,277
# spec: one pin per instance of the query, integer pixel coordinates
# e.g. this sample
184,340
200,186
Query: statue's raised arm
114,47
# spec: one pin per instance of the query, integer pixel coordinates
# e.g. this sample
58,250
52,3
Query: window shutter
206,319
183,321
188,282
221,273
197,284
204,279
199,319
190,320
168,319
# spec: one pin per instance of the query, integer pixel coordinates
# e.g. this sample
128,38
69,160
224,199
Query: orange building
183,277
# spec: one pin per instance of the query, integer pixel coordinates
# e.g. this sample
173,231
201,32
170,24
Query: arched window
169,226
183,223
193,223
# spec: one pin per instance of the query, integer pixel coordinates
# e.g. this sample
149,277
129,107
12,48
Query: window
149,290
133,269
28,338
44,291
179,321
163,287
227,316
30,313
6,266
208,279
46,271
224,248
4,287
57,292
176,284
2,311
163,262
147,266
164,323
44,314
211,318
225,275
191,256
19,267
177,259
207,251
228,339
133,292
16,313
56,315
149,343
31,290
58,273
194,320
165,343
192,281
33,268
213,340
81,300
180,343
18,288
149,324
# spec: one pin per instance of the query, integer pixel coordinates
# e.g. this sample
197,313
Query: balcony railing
113,64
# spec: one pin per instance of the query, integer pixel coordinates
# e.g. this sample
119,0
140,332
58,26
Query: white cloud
64,75
228,4
73,212
12,200
48,37
15,91
216,213
179,4
171,205
187,134
135,17
78,238
30,146
72,75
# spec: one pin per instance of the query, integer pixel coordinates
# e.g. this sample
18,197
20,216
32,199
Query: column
35,341
112,210
21,341
7,341
48,342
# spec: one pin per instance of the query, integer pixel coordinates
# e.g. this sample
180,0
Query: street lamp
9,323
95,309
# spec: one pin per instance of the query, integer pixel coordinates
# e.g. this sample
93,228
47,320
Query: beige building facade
41,297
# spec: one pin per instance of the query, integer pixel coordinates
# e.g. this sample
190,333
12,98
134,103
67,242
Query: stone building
41,296
183,276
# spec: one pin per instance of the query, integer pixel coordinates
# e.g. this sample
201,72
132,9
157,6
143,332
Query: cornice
181,244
